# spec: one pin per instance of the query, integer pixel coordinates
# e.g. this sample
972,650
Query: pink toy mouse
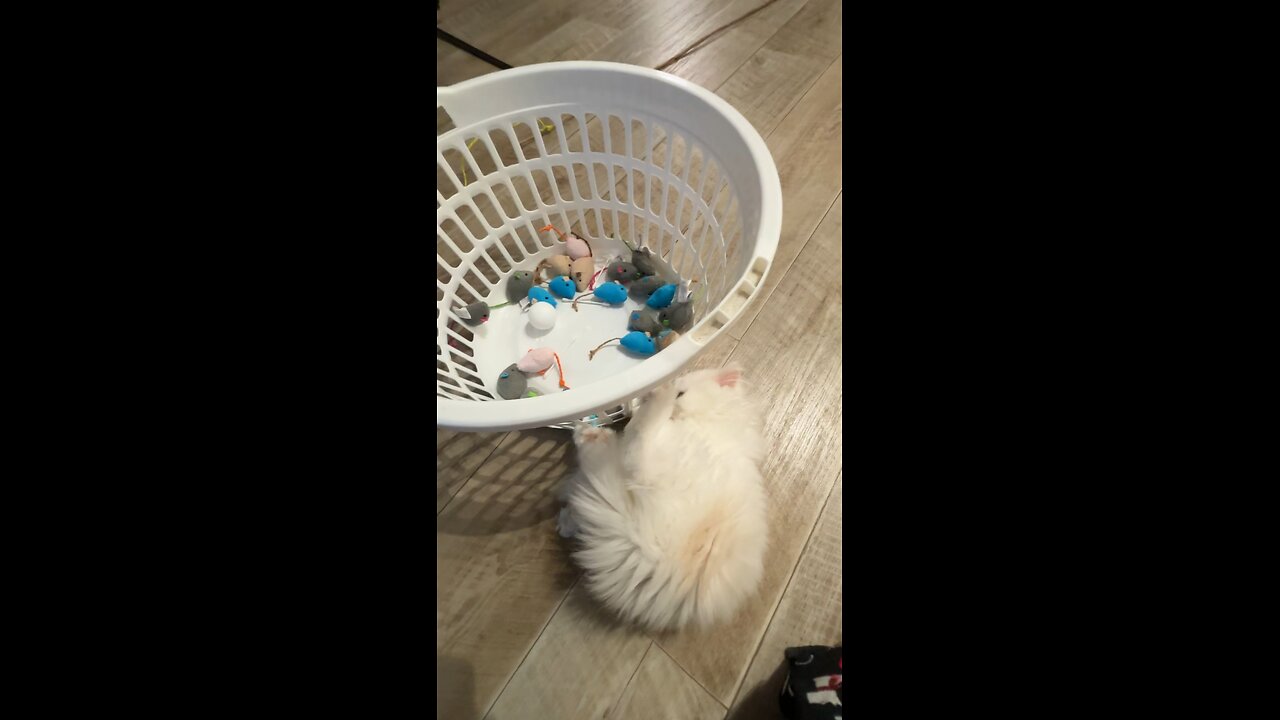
539,360
536,360
576,246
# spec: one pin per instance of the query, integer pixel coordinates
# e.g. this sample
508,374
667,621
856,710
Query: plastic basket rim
545,410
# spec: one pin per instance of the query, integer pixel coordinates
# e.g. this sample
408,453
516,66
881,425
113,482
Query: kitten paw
584,434
565,524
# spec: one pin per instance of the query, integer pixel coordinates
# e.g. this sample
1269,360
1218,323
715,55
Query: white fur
671,515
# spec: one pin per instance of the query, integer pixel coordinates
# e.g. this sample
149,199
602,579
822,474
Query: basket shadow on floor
516,485
514,488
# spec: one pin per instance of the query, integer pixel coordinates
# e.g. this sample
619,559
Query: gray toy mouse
623,272
512,383
677,316
645,261
644,321
645,286
518,285
476,313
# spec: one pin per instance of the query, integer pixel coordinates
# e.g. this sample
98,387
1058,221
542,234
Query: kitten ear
729,377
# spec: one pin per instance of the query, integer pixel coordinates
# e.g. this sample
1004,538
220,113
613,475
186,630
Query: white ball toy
542,316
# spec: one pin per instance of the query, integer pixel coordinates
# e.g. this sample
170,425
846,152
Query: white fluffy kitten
671,515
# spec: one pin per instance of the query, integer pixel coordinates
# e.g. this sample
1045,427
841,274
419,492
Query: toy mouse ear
463,313
729,376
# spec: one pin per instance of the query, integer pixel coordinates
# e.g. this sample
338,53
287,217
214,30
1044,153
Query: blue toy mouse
538,294
563,287
639,342
662,297
612,293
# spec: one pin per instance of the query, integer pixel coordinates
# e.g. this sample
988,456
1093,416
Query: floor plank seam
758,49
634,672
807,240
690,676
532,645
806,92
473,473
737,690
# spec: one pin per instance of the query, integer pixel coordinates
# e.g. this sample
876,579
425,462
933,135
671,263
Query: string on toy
592,355
561,369
553,227
592,284
545,127
585,294
495,307
624,242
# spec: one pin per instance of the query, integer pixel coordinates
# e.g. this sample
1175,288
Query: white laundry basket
607,150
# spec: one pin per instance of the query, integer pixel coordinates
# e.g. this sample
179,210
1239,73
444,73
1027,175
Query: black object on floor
814,688
471,49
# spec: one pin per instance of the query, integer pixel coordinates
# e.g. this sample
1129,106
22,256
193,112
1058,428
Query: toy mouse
557,264
644,321
611,292
512,383
562,287
537,294
576,246
662,297
639,342
582,271
477,313
539,361
645,286
636,342
643,258
679,316
645,261
519,284
474,314
623,272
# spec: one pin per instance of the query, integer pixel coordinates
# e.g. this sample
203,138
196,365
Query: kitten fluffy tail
666,565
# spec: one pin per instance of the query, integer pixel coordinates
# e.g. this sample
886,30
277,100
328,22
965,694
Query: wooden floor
516,635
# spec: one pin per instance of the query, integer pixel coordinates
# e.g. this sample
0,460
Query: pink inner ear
729,378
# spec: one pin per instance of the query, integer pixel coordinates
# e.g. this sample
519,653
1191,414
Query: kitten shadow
455,689
761,701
